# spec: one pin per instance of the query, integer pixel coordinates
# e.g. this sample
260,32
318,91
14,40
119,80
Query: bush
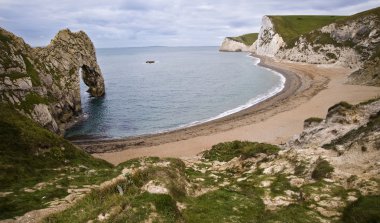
323,169
342,104
229,150
365,210
331,56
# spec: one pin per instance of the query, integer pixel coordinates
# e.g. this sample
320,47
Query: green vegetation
280,185
4,38
341,104
374,11
247,39
224,206
30,155
365,210
32,72
32,99
322,170
14,75
314,119
370,101
318,37
291,27
38,167
331,56
229,150
132,206
294,213
300,169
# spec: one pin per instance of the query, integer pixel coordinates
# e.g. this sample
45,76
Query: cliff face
230,45
238,43
350,42
43,83
269,41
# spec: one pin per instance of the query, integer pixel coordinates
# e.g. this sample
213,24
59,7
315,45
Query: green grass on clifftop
247,39
291,27
37,166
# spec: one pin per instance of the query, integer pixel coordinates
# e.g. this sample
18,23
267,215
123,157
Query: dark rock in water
150,61
43,82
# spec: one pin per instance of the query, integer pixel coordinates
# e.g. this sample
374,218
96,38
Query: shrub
308,121
323,169
229,150
342,104
299,169
331,56
365,210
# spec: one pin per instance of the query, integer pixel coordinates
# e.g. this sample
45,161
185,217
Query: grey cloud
156,22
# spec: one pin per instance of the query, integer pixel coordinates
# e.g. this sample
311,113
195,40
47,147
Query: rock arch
52,93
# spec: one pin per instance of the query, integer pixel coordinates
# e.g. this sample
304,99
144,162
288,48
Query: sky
135,23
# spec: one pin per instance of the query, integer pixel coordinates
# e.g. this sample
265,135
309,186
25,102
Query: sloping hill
292,26
254,182
37,166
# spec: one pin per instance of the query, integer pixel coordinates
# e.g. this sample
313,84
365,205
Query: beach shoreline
309,91
100,144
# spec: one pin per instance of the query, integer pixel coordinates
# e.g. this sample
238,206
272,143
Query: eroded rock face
353,43
43,83
269,41
230,45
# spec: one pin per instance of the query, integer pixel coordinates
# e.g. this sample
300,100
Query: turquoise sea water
186,86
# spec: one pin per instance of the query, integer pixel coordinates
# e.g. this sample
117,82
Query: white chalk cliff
230,45
352,43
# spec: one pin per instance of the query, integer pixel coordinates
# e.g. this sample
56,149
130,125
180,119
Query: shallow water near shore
185,86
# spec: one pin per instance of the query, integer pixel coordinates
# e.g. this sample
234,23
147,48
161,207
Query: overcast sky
123,23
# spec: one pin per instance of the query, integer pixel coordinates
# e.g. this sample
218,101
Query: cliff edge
346,41
43,82
239,43
352,41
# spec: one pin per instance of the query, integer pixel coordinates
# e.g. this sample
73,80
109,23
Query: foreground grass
365,210
240,200
37,166
229,150
224,205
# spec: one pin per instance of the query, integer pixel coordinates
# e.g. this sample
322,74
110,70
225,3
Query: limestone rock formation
230,45
351,42
269,41
43,82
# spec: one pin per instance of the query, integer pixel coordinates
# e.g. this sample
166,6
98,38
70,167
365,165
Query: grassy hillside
203,192
247,39
374,11
291,27
37,166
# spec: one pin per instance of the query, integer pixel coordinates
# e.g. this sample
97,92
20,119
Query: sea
185,86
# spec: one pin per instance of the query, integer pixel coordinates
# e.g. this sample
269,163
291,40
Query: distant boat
150,61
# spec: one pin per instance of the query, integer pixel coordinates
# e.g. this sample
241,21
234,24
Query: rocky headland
352,41
43,82
239,43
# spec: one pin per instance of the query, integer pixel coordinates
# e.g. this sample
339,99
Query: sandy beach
309,91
